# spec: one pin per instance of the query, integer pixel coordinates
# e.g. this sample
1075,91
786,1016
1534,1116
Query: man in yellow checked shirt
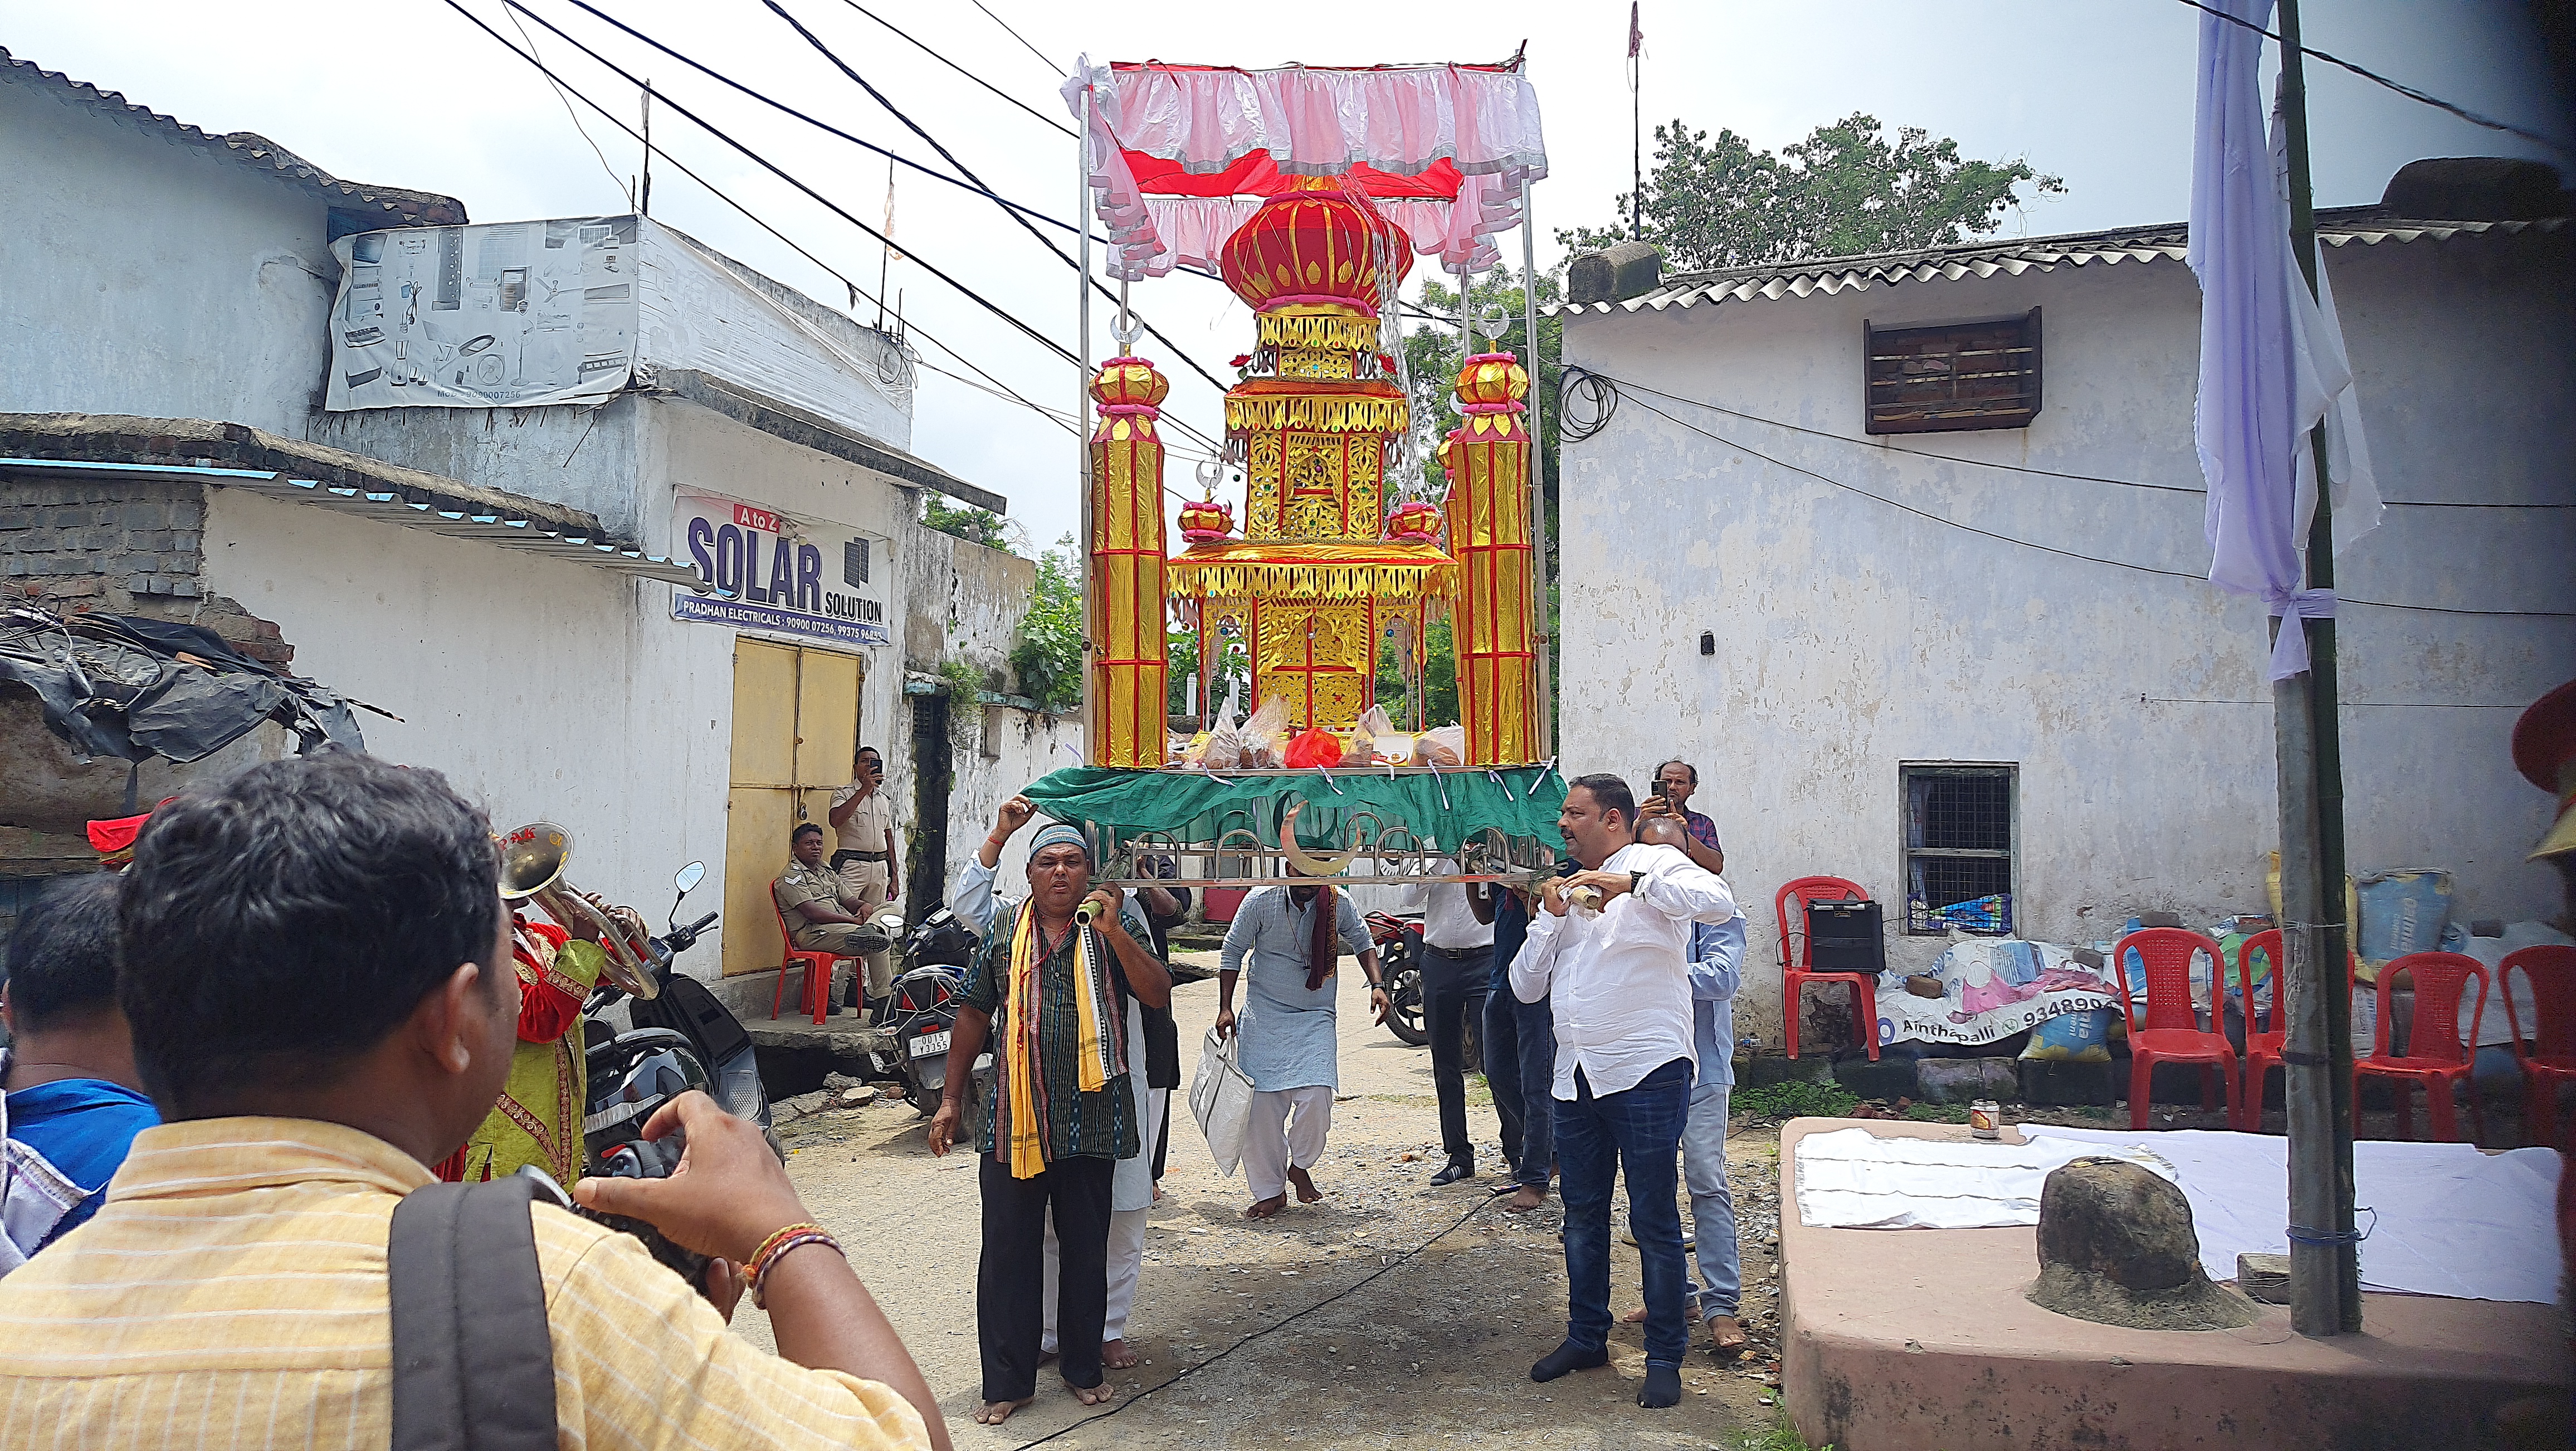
1060,1120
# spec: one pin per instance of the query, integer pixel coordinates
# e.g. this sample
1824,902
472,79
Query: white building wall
207,299
1851,636
543,689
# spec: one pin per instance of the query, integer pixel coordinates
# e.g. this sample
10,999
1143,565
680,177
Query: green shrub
1795,1099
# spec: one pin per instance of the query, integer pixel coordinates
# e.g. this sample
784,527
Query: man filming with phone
864,857
1697,835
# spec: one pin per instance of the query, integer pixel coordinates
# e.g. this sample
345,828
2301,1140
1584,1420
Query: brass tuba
532,868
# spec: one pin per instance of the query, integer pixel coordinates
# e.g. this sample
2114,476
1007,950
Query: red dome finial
1314,247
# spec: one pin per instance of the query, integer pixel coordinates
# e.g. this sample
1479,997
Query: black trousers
1452,987
1010,1289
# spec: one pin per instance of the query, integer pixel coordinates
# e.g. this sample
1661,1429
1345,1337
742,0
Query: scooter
681,1038
1392,936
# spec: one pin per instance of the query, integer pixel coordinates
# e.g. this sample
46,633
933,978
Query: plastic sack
1264,738
2402,912
1360,747
1314,747
1195,753
2078,1037
1221,1100
1444,746
1223,751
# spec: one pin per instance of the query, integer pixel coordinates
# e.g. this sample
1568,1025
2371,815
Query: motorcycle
921,1011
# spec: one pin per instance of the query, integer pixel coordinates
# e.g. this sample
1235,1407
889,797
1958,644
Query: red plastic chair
2435,1056
2550,1057
2172,1031
2264,1051
2263,1047
1793,964
817,965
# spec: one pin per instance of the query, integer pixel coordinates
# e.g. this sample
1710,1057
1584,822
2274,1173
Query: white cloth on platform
1853,1179
1276,1141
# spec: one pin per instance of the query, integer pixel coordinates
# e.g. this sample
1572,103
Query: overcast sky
408,93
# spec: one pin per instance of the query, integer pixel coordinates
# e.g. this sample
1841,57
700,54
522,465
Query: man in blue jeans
1716,972
1612,966
1520,1064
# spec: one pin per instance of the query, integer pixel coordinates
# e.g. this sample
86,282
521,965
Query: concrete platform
841,1034
1921,1340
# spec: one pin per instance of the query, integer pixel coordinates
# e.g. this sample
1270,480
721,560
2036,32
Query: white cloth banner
2446,1219
1853,1179
2271,361
1312,121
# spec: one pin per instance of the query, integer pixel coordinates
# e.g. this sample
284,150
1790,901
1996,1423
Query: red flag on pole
1636,37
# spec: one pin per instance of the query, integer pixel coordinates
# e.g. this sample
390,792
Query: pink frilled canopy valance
1181,155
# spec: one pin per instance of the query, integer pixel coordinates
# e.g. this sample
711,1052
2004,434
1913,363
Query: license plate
929,1043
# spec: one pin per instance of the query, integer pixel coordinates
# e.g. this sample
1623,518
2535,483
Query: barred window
1960,826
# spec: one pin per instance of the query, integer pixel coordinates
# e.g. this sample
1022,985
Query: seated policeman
316,964
809,897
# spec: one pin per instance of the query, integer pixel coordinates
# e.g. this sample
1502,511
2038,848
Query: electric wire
1863,443
915,127
961,70
2400,87
996,309
1022,39
1187,1371
576,122
817,123
1602,395
996,385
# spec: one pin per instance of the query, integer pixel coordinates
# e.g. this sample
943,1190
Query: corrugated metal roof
234,456
2338,227
385,206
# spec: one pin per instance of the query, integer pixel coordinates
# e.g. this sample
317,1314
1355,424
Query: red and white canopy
1181,155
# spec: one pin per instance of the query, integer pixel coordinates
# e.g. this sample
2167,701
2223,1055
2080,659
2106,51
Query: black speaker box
1845,937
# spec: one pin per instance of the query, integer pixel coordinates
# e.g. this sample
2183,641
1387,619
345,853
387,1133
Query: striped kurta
232,1295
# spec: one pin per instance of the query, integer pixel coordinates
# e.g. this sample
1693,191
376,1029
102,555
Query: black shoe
1565,1359
1455,1170
1663,1388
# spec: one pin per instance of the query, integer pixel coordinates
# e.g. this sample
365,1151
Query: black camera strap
473,1363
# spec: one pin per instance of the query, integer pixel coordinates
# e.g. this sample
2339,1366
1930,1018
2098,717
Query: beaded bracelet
777,1247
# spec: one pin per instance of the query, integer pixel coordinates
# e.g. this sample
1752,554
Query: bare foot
1307,1193
1090,1395
1115,1355
1634,1317
994,1413
1267,1207
1727,1336
1525,1199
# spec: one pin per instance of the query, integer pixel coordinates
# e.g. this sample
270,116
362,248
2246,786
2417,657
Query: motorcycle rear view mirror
686,881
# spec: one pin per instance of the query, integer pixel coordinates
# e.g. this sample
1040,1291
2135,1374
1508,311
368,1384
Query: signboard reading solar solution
784,576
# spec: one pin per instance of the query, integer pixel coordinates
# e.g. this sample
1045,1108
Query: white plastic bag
1221,1098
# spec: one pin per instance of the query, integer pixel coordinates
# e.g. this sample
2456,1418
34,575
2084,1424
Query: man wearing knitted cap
1061,1115
1292,937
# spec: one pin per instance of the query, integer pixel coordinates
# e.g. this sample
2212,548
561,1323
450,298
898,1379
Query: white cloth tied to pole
1853,1179
1313,121
2272,361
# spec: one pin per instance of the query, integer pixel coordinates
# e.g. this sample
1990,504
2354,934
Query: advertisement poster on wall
786,576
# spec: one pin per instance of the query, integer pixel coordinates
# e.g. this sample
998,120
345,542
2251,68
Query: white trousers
1274,1141
1126,1261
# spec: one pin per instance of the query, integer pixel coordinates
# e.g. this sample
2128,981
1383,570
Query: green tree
1439,680
975,526
1849,188
1182,650
1047,657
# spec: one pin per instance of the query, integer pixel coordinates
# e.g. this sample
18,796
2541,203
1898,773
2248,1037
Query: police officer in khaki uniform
808,897
864,817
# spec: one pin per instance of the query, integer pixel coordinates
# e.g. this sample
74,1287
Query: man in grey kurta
1288,1028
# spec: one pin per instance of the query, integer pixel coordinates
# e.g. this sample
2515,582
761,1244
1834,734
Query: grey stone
2116,1246
144,514
2264,1277
1965,1080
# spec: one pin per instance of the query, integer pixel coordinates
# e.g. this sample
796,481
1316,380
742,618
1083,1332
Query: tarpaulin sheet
1190,806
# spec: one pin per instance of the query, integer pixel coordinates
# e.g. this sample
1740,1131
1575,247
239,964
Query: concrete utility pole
2325,1261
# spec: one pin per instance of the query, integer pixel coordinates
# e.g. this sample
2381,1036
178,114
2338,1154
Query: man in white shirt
1619,982
863,816
1457,958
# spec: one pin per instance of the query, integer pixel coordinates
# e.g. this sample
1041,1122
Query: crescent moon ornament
1303,860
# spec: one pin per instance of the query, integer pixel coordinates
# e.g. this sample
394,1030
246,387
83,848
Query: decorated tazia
1128,666
1206,519
1322,571
1487,456
1414,522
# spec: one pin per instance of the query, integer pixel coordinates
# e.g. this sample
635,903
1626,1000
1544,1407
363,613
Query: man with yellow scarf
1061,1116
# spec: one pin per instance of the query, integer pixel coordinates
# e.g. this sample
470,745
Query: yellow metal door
793,708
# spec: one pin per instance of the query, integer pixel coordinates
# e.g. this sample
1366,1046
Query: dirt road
1392,1314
